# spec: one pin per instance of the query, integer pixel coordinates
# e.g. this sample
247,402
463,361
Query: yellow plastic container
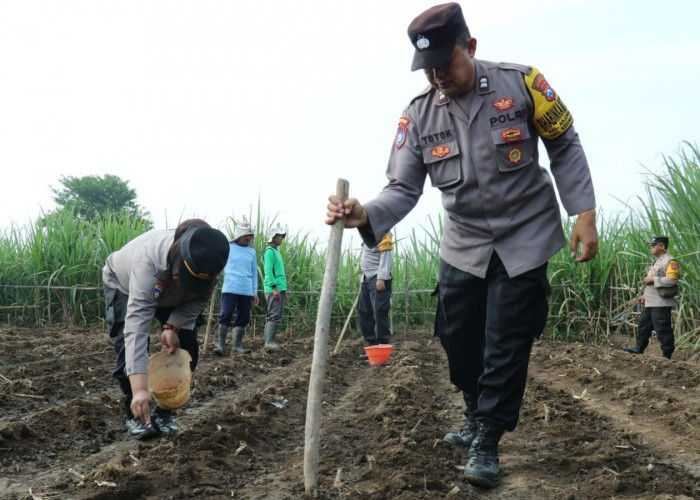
169,378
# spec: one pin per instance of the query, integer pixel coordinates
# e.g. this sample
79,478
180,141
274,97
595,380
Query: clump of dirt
596,423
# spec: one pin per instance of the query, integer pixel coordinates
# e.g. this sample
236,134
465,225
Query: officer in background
375,292
660,287
475,131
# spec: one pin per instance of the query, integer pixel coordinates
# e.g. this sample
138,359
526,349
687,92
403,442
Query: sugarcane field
596,423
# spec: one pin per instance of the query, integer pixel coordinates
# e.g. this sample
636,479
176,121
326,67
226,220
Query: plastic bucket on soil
169,378
378,355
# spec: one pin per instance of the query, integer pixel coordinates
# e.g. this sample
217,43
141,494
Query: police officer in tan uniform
474,131
662,275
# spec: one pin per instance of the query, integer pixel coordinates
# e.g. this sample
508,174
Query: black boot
134,426
482,468
632,350
467,433
162,419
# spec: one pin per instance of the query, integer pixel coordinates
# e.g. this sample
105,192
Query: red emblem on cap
541,84
512,134
503,103
515,155
401,132
440,151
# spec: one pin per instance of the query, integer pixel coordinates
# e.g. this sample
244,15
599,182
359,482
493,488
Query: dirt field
597,423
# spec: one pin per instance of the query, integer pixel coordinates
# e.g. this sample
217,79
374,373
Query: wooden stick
318,364
209,320
345,326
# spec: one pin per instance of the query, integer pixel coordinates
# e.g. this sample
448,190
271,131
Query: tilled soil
596,423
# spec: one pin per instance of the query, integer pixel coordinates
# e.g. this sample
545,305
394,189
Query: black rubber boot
632,350
221,347
162,419
467,433
238,332
482,468
134,426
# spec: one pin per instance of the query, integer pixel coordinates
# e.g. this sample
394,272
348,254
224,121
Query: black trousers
657,319
374,310
234,303
487,326
115,304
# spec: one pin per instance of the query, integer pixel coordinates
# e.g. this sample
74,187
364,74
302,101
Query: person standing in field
240,289
660,288
375,291
275,284
168,275
475,132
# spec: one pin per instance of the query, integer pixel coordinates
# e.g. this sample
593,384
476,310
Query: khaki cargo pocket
443,164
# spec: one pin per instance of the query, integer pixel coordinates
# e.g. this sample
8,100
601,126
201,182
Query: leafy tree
92,196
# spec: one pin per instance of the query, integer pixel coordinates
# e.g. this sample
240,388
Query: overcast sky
207,107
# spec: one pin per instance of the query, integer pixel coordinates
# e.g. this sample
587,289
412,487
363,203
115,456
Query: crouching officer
660,288
168,275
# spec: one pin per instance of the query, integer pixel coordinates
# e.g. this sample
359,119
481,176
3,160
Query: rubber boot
221,347
482,468
238,332
632,350
467,433
270,331
134,427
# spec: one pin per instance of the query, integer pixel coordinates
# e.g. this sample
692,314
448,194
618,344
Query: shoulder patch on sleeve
672,270
386,244
551,117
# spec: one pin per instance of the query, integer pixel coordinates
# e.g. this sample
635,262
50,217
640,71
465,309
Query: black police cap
434,33
659,240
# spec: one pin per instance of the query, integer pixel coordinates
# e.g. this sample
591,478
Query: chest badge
515,155
504,103
512,134
401,132
440,151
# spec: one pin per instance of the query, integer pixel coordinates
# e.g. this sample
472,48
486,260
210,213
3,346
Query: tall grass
53,273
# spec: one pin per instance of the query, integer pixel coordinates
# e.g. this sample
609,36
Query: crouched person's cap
204,252
659,240
433,34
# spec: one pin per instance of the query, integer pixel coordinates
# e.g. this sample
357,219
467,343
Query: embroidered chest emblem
512,134
440,151
515,155
504,103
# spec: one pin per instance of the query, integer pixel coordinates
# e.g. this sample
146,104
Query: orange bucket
378,355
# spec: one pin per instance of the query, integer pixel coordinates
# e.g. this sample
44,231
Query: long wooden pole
318,364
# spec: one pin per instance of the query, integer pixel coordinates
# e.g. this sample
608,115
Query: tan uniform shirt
135,270
665,273
483,156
